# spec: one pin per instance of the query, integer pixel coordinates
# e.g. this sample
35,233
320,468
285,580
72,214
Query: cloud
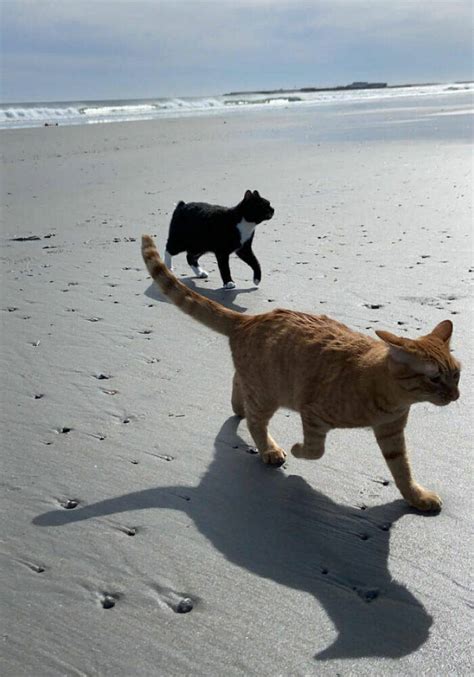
152,47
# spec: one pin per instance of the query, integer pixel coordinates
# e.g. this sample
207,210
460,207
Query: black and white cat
198,227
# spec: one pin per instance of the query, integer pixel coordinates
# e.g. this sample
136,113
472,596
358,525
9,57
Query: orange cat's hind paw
425,500
275,456
301,451
298,451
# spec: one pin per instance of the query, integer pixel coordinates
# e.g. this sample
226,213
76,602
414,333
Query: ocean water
99,112
441,117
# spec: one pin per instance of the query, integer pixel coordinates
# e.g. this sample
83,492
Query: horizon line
239,92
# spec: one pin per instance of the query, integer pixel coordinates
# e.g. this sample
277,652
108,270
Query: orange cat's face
440,387
424,367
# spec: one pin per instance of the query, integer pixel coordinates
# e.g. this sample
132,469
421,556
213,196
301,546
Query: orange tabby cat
333,376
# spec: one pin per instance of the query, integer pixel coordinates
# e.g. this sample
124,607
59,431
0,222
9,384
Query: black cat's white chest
246,230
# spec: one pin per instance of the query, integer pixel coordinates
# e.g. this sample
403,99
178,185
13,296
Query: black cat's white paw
200,272
229,285
168,260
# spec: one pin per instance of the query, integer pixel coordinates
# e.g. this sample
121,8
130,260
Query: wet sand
141,534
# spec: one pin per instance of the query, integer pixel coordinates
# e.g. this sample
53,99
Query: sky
66,50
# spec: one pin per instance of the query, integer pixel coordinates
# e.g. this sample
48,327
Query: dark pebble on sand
184,606
38,396
385,483
101,376
369,595
70,504
373,306
251,450
108,602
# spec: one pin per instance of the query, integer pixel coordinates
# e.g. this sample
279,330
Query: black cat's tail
204,310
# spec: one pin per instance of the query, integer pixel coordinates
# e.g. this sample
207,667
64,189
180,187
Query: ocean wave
33,115
190,104
91,112
268,101
36,114
100,111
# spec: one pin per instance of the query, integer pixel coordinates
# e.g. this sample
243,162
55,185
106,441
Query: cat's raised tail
202,309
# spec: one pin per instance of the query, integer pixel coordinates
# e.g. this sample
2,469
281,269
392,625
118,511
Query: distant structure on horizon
354,85
367,85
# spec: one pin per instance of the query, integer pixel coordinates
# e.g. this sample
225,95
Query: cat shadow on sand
277,526
225,297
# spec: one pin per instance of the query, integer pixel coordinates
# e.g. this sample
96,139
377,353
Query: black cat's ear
256,193
248,195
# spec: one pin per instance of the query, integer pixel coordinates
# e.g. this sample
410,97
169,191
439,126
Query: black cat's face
256,208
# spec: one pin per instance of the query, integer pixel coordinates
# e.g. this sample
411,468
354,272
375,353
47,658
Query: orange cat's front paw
425,500
274,456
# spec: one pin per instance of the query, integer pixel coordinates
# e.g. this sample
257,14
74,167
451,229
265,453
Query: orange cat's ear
399,350
248,195
443,331
389,338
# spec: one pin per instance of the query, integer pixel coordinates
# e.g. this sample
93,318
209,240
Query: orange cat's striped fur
333,376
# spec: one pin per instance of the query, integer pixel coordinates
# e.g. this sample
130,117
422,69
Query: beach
142,535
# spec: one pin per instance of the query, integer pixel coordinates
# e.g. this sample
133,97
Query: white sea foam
99,111
90,112
31,113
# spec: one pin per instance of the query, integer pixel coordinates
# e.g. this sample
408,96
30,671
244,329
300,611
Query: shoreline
29,114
